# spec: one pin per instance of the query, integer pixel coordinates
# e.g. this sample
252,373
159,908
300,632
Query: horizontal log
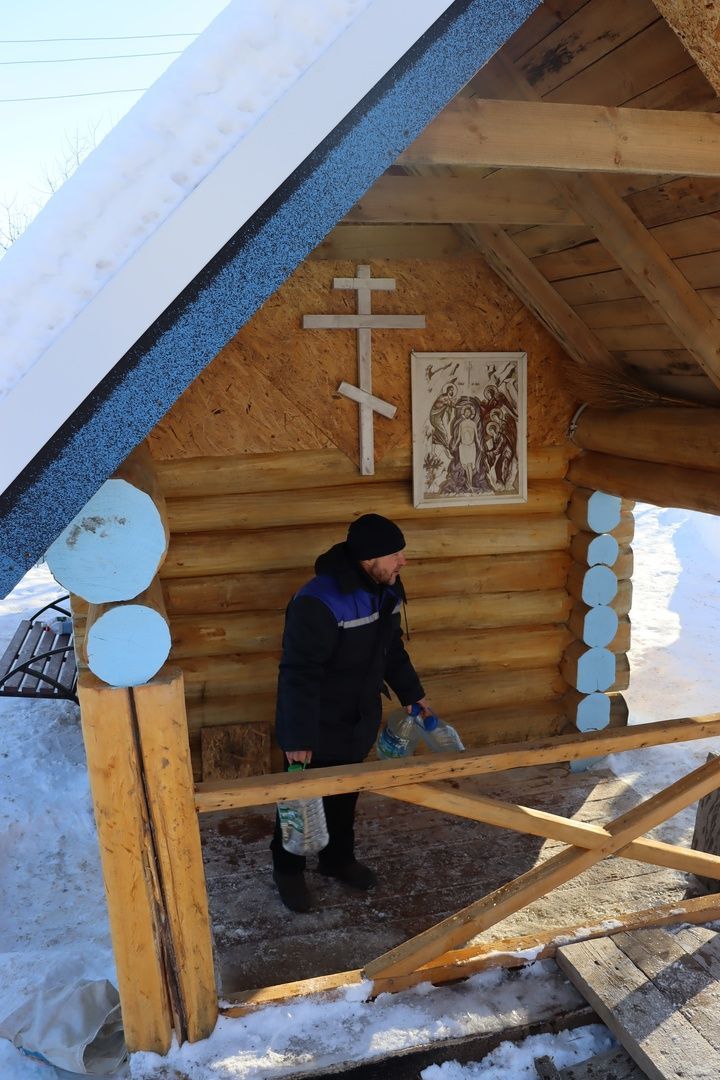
661,485
592,712
625,531
593,585
377,775
486,650
203,554
264,510
569,137
594,626
622,640
259,631
689,438
235,474
594,510
422,577
588,669
113,548
622,674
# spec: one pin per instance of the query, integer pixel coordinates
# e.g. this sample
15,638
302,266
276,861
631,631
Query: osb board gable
274,387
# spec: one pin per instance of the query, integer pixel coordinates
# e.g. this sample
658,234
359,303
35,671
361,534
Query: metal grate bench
40,660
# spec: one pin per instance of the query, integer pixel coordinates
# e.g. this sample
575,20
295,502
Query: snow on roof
203,105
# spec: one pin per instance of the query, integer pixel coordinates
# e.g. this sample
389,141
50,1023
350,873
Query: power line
60,97
75,59
128,37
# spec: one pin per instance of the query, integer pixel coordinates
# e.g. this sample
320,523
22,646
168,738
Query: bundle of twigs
615,387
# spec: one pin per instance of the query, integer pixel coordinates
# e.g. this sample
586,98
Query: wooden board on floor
660,1032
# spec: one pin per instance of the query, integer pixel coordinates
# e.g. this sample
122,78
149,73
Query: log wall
258,464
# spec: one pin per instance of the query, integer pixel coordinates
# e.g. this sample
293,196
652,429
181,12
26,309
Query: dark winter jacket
342,643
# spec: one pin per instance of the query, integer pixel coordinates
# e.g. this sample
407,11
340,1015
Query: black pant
340,818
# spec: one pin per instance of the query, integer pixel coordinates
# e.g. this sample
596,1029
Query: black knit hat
372,536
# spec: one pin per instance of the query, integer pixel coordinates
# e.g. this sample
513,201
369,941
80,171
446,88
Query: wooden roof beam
461,199
578,138
517,271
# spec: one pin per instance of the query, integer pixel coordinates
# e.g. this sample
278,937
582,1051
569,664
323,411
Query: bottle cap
297,766
430,722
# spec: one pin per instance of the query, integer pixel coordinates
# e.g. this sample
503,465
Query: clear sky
38,136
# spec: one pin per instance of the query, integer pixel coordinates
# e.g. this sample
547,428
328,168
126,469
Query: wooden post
139,767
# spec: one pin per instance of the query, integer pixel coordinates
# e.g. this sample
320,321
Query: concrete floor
430,865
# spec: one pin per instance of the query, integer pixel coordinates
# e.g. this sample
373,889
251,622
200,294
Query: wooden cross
364,322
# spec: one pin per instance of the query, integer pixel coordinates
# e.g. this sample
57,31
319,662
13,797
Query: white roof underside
227,123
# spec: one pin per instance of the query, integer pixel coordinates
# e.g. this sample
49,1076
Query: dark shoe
294,893
355,874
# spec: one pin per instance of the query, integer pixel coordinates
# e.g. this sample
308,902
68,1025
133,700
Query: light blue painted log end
600,586
593,712
603,512
128,644
595,671
112,550
600,626
603,549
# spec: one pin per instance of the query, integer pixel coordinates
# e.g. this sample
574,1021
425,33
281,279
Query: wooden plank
543,878
526,819
45,643
662,1042
688,89
162,726
578,138
659,484
462,199
677,436
378,775
353,242
363,322
131,885
26,650
9,656
506,952
686,984
656,276
363,398
530,286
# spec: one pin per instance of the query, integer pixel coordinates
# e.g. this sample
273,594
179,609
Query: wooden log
625,531
661,485
378,775
594,510
706,834
126,644
622,640
588,669
131,884
624,564
162,728
114,547
671,436
263,510
271,590
554,871
590,548
593,585
622,673
275,549
235,474
594,626
482,651
232,709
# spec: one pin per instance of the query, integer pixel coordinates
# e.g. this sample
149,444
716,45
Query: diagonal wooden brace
526,819
554,871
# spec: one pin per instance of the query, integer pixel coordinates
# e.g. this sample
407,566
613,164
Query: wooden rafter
517,271
554,871
578,138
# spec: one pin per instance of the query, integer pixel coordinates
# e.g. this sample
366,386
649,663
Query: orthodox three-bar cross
364,322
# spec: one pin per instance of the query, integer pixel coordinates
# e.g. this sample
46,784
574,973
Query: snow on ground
53,922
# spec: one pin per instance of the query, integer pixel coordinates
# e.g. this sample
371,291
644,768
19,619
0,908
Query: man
342,643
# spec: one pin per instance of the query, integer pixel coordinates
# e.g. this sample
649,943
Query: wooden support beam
460,199
578,138
542,879
517,271
661,485
526,819
642,259
378,775
689,438
141,782
505,952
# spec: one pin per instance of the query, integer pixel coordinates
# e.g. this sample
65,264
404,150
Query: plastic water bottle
438,736
302,822
400,735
